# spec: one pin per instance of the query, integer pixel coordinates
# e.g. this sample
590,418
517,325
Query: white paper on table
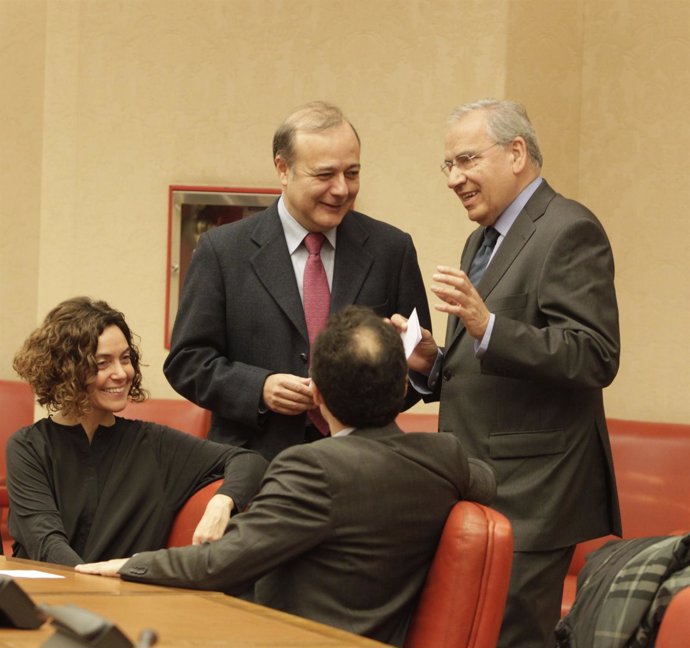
413,335
28,573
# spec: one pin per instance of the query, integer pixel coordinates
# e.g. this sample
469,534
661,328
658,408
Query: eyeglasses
464,162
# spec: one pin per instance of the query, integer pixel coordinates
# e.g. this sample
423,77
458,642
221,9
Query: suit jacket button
303,357
447,375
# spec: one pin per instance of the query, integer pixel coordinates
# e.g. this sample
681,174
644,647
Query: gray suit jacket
343,531
532,405
241,317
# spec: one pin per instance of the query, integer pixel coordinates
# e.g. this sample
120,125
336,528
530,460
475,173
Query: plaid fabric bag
623,591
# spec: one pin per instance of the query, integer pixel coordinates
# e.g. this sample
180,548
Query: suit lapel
520,232
352,263
273,267
473,244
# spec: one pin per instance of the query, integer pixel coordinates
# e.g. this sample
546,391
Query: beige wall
113,101
22,55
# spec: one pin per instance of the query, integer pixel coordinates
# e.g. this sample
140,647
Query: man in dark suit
240,345
343,530
530,345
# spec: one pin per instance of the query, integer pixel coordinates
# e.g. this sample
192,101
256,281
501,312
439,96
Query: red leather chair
176,413
463,599
674,631
651,464
16,411
189,515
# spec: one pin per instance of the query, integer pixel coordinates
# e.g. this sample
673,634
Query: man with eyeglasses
532,340
258,290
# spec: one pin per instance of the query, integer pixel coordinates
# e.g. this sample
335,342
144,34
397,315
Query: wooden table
182,618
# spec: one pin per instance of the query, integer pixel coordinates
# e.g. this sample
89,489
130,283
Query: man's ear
316,394
520,154
282,168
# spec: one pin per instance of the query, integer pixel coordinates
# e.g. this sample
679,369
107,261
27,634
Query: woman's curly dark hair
58,358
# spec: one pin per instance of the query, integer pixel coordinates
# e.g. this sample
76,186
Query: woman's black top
72,501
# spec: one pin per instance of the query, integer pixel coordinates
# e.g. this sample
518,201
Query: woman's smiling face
108,392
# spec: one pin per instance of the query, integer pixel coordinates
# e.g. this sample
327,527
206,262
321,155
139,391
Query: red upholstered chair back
176,413
189,515
651,462
653,480
463,599
16,411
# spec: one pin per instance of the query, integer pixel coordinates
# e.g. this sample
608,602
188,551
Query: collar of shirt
344,432
294,232
507,218
294,235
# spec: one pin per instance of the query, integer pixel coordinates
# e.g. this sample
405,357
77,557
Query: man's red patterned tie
317,303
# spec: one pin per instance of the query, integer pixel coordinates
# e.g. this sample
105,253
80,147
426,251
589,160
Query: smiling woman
109,392
86,485
82,364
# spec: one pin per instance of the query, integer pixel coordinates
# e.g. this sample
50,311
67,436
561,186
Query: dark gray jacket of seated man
342,531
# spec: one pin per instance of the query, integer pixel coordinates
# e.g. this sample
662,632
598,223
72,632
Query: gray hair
506,120
312,117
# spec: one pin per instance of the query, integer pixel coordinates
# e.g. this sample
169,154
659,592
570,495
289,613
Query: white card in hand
413,335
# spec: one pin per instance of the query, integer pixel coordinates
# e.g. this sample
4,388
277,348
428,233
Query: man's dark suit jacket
532,406
343,530
241,317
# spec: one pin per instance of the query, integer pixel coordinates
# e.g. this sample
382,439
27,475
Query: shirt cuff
426,384
480,346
